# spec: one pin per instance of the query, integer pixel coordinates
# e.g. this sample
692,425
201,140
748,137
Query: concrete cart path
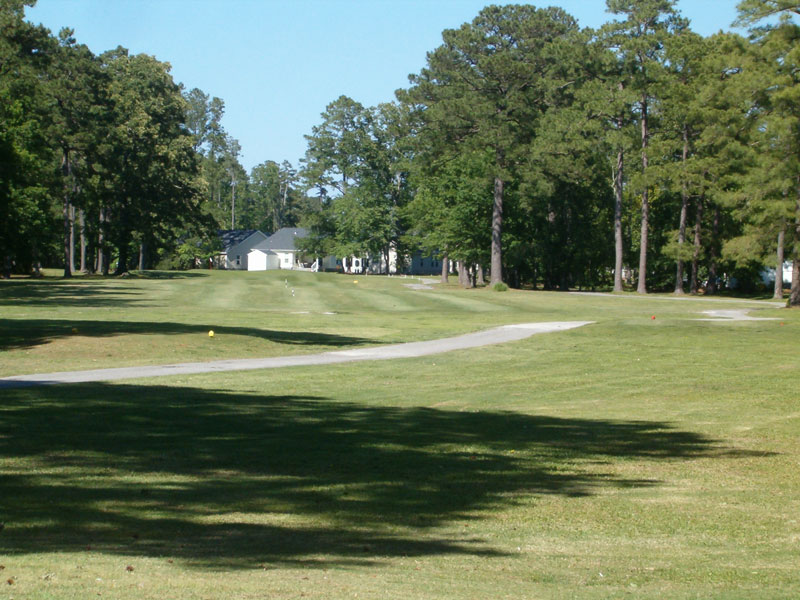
497,335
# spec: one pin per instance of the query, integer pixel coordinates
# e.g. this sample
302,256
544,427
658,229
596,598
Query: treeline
89,143
528,149
547,155
107,164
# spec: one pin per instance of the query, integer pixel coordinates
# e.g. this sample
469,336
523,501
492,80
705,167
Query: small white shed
262,260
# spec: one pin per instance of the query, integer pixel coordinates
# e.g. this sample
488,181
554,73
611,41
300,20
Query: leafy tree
485,88
335,151
27,223
682,121
76,88
447,204
234,170
639,41
273,199
778,125
151,168
358,156
565,201
214,148
601,122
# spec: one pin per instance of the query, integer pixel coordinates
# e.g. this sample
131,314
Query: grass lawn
651,458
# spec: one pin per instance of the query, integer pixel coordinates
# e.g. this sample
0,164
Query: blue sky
278,63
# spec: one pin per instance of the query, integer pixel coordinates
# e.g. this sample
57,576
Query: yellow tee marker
355,280
211,333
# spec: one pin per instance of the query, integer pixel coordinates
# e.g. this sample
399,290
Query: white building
278,251
236,246
768,275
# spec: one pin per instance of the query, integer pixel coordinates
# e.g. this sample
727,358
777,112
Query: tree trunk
101,267
463,275
712,287
233,205
283,211
479,278
98,267
445,268
618,179
682,221
698,223
37,263
141,256
641,288
122,262
82,224
71,238
497,228
67,172
794,294
778,292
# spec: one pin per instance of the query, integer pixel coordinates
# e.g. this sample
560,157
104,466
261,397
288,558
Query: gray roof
232,237
283,239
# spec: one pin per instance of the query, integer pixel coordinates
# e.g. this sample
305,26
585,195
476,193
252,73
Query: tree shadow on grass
168,274
85,293
235,480
27,333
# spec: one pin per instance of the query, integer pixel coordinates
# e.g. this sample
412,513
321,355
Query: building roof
232,237
283,239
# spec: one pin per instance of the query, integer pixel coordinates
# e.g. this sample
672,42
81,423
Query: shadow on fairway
27,333
86,293
235,480
168,274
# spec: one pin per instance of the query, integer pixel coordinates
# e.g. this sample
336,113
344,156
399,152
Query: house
278,251
424,265
236,245
414,264
768,274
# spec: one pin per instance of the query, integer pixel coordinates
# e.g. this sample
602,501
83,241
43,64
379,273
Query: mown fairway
656,458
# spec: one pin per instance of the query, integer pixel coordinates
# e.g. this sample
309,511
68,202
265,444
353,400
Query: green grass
637,456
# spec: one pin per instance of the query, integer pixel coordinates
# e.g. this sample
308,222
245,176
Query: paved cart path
497,335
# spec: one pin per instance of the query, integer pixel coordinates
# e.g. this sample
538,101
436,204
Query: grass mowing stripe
636,456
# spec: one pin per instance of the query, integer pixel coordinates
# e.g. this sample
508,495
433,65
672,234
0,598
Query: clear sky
278,63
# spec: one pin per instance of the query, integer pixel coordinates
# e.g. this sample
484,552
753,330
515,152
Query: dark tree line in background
528,149
96,160
107,164
551,156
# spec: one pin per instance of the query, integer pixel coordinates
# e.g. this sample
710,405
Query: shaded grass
141,470
33,332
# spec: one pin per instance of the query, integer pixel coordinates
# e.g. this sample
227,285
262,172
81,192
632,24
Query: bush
500,287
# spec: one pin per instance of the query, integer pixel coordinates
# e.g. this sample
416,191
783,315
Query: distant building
236,245
768,274
278,251
414,264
